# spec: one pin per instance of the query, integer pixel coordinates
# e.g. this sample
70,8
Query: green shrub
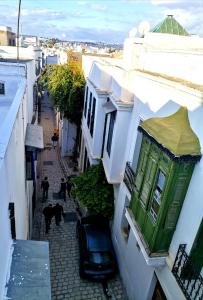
93,191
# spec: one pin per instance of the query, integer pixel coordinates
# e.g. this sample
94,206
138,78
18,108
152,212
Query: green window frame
157,195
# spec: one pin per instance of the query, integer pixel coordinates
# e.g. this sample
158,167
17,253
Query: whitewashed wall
156,99
68,137
12,174
176,56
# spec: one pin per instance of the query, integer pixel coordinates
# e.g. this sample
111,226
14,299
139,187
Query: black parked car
97,257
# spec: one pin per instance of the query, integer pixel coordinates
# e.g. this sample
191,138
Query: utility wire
18,28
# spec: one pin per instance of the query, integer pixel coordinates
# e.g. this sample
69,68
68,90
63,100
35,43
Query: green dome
174,133
170,26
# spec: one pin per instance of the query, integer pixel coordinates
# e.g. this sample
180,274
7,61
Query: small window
11,209
92,117
2,88
89,110
110,133
156,199
86,100
125,226
29,165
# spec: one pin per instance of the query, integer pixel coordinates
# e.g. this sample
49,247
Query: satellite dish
132,32
143,28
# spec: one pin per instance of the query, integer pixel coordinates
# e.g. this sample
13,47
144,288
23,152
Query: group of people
65,185
57,210
52,211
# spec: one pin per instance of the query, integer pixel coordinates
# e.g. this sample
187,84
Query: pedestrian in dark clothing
45,187
58,212
54,139
48,214
62,191
68,186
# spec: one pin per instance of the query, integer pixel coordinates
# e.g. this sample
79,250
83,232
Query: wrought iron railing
129,177
190,280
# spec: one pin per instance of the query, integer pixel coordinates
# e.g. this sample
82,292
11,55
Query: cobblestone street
65,281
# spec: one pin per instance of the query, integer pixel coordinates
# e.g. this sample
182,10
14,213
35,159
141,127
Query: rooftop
171,26
30,271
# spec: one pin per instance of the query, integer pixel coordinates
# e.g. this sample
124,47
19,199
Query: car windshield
100,257
98,239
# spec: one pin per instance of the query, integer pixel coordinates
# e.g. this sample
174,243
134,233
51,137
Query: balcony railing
190,280
129,177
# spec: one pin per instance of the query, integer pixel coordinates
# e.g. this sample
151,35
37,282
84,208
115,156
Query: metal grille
129,177
190,280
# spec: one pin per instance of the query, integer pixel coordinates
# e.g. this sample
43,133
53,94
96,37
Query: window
29,165
12,219
161,183
86,100
125,226
89,110
110,132
92,117
2,88
156,198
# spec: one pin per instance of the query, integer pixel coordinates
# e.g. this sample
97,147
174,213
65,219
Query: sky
97,20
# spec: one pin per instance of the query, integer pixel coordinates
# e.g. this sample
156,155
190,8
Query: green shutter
196,255
148,180
142,163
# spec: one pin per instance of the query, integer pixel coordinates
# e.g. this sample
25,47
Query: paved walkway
64,253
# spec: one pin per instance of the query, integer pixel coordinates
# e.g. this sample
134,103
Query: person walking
48,214
68,186
45,188
58,212
54,139
62,191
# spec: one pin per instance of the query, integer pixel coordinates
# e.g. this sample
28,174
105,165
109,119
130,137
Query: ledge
151,259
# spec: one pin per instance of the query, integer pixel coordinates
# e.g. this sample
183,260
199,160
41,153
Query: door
158,292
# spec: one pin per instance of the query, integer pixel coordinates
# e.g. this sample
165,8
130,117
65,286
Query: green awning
170,26
174,133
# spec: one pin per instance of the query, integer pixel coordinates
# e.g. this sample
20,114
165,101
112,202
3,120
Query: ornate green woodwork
196,255
161,183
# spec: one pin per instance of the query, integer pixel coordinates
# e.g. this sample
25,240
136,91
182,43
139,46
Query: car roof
98,238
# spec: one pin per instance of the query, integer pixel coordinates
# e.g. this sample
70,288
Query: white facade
16,111
29,53
137,91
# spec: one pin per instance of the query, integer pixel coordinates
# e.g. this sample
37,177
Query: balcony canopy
34,136
174,134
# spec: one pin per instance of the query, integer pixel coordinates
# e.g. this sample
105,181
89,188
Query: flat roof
30,271
14,60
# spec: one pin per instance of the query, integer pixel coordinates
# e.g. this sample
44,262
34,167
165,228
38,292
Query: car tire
81,272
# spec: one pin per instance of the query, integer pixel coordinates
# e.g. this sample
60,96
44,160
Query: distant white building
142,117
28,40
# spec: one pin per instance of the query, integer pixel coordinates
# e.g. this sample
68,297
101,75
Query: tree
93,191
66,86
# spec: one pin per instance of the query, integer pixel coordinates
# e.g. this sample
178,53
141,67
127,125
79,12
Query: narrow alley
63,244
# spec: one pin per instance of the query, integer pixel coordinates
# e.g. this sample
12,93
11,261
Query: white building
156,171
28,40
34,53
20,137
